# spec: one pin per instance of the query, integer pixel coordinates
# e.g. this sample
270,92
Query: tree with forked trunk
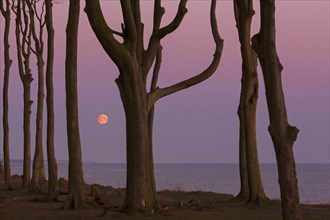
23,45
251,185
75,198
134,63
38,170
5,11
52,164
282,133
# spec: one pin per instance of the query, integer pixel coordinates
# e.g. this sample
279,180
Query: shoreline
105,200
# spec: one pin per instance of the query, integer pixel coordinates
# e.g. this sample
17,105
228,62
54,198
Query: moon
102,119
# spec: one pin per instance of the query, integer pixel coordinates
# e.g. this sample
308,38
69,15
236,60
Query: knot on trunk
292,133
256,43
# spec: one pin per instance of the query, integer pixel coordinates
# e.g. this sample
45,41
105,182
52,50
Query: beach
103,202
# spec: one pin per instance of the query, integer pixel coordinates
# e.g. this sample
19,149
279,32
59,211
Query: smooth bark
5,11
134,63
38,169
249,166
23,45
75,198
52,164
282,133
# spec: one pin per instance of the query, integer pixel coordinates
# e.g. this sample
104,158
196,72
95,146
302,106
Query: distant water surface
313,179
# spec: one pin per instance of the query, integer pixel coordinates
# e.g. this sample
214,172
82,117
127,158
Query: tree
38,171
6,156
134,63
75,197
282,133
23,45
52,165
251,185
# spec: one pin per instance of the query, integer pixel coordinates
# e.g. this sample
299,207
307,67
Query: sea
313,179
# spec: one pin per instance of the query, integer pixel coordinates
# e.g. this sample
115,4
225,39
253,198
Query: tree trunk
7,62
27,130
23,45
140,190
52,164
76,196
283,135
248,105
243,171
38,174
153,86
134,63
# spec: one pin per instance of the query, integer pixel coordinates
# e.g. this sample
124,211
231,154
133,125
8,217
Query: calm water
313,179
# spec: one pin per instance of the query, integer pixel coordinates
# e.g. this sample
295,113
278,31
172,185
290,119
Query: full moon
102,119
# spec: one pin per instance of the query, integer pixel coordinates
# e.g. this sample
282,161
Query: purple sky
199,124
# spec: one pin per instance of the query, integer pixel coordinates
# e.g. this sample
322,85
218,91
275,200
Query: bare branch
103,32
136,12
162,92
159,11
182,10
139,30
13,7
159,33
236,12
42,11
2,8
129,21
157,66
18,41
117,33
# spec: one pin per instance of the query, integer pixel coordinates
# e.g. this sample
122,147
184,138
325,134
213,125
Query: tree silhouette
5,11
38,170
23,46
282,133
52,165
134,63
251,185
75,197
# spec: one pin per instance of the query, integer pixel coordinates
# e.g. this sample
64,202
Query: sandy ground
22,204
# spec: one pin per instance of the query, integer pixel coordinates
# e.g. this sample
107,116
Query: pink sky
199,124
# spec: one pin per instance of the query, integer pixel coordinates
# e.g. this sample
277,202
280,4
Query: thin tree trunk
8,62
38,171
243,171
282,133
248,104
38,174
27,130
75,198
23,45
52,164
151,114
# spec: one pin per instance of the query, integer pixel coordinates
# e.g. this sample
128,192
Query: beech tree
38,172
75,197
251,185
282,133
134,63
52,164
5,11
23,46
